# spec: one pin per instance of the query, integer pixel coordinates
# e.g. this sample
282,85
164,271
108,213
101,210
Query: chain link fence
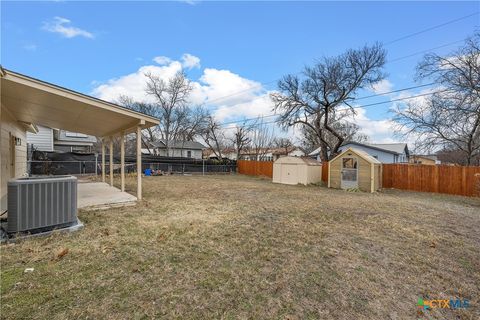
87,167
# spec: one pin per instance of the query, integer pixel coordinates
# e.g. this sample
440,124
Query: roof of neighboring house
178,144
426,156
394,148
359,152
284,151
63,136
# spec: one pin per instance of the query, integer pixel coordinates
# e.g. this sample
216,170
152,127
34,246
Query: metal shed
295,170
355,169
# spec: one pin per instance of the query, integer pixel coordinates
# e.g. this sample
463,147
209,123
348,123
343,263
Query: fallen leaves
61,253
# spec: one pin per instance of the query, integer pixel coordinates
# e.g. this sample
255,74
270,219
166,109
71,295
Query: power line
356,107
389,61
431,28
395,91
386,44
424,51
361,98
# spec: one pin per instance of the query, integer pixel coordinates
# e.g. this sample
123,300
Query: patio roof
32,101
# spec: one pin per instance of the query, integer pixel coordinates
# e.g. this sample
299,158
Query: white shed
295,170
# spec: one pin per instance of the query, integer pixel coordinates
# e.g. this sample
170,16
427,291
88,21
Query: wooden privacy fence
456,180
255,168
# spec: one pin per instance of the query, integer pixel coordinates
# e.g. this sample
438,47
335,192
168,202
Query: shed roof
298,160
360,153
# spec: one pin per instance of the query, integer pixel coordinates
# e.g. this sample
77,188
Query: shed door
349,173
289,174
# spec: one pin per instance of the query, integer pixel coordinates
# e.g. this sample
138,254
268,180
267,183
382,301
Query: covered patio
27,102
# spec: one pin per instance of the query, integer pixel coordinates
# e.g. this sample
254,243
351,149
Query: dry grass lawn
229,247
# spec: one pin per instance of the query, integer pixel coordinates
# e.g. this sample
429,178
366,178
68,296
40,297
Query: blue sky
102,48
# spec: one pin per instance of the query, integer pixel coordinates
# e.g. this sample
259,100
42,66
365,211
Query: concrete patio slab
100,195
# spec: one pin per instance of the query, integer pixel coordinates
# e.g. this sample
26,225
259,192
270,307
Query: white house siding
10,129
43,140
383,157
195,154
297,153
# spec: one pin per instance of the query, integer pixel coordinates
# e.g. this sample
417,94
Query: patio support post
111,161
139,162
122,160
103,160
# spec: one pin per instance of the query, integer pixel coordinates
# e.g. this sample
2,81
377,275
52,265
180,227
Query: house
27,102
227,153
290,151
383,152
176,148
429,159
48,139
262,154
272,154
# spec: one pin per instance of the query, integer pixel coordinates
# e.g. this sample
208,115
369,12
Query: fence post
203,167
96,163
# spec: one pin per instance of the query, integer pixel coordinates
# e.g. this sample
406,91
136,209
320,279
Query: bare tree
450,118
171,98
214,137
325,89
148,134
241,139
284,143
350,132
262,139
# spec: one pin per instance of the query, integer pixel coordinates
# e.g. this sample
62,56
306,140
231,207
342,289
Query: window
75,134
349,163
189,154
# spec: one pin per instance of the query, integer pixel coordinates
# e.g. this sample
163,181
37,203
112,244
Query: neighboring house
177,148
67,141
429,159
228,153
272,154
264,154
42,140
383,152
291,151
48,139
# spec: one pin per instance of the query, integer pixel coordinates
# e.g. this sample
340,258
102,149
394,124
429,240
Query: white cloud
134,84
30,47
379,131
63,27
190,61
382,86
258,106
190,2
162,60
228,95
